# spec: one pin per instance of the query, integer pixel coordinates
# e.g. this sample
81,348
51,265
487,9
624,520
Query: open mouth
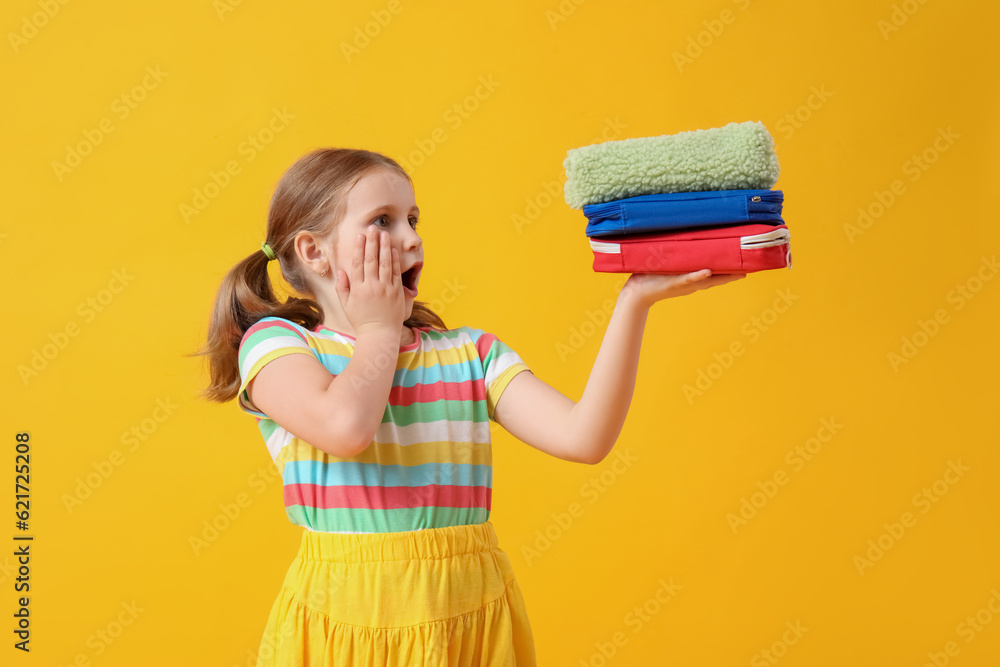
410,278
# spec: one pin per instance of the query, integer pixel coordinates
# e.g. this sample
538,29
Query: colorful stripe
383,521
390,454
430,462
377,474
395,497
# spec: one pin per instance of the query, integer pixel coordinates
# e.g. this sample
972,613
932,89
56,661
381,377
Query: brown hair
310,197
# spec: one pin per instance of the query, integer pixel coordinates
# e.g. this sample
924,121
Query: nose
410,241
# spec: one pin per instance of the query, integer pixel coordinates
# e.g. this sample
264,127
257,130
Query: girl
377,416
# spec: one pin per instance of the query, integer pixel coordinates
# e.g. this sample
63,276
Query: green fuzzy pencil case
737,156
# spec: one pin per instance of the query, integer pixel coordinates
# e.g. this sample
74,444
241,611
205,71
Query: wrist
632,299
382,333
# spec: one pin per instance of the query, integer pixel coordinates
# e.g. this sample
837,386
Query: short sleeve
500,365
268,339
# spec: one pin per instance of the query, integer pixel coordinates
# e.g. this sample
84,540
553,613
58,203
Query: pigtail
244,298
422,316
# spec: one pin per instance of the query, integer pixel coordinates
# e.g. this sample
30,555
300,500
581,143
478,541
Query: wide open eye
413,221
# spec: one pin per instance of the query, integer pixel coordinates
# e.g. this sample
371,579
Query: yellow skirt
441,596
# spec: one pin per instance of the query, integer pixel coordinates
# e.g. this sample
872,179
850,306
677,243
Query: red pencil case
731,249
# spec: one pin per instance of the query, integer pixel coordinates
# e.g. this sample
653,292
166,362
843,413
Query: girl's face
383,198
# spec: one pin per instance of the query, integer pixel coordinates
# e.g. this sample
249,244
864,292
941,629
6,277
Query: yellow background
849,103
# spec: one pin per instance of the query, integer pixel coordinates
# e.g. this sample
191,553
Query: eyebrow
389,207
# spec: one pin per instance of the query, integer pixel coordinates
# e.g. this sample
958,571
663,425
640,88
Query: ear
312,251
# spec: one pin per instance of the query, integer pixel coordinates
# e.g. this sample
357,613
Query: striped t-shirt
430,463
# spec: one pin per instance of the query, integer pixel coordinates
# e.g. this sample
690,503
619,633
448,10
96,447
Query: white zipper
601,246
776,237
765,240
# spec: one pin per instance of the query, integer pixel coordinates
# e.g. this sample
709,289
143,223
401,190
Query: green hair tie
267,251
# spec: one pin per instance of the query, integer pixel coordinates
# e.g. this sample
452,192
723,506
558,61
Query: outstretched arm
586,431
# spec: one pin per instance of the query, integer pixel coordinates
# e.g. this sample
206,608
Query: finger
371,255
397,277
722,279
384,258
343,286
695,276
685,279
358,261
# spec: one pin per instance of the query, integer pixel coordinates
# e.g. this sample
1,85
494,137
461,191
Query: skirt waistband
430,543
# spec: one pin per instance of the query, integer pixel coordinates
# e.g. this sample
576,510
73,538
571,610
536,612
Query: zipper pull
755,198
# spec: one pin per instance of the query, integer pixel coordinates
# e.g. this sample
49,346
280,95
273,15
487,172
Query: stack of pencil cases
679,203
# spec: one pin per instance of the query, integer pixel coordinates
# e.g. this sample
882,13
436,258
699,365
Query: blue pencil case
682,210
